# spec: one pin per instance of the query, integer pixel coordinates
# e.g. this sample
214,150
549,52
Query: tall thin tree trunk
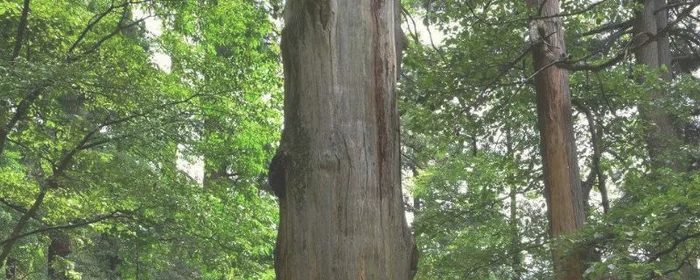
516,260
337,171
558,148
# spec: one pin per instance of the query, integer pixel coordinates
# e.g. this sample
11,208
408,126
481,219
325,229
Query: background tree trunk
337,171
59,247
660,132
516,258
11,269
661,136
558,148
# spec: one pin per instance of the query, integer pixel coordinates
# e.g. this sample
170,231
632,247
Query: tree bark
661,137
337,171
21,112
59,247
19,40
558,148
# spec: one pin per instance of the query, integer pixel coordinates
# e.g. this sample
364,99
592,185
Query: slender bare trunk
561,175
516,258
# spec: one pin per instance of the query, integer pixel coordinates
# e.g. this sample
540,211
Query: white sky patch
154,29
154,25
161,60
427,35
193,166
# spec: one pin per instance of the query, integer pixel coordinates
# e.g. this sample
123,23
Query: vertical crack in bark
324,12
346,226
561,178
366,242
379,92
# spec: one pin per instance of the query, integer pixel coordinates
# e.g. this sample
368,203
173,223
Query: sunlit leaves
107,124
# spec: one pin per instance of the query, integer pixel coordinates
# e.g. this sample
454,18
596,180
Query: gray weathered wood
337,171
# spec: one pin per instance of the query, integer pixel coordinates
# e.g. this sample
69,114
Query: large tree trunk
660,133
661,137
558,148
337,171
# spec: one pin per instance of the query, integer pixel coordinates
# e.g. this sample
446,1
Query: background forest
136,135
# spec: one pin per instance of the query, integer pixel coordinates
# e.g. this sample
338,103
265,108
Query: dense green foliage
470,132
142,132
115,140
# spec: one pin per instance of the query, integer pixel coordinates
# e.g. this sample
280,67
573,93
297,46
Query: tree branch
13,206
7,246
20,30
676,242
21,112
99,43
610,26
568,64
70,225
96,19
408,17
